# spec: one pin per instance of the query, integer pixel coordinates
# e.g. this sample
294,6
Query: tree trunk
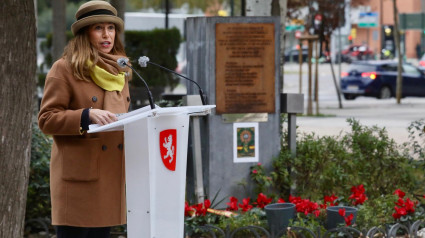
120,6
283,9
18,67
399,56
59,28
258,8
271,8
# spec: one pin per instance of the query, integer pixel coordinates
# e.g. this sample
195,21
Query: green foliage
416,145
191,4
161,46
310,222
193,224
331,165
263,182
253,217
38,197
376,212
46,49
44,23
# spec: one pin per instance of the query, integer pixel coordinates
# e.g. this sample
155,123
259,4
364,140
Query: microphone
122,62
144,61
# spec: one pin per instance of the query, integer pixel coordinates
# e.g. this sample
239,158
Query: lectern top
147,112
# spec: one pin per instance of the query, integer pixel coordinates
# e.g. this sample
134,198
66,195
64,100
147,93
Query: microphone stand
146,85
201,93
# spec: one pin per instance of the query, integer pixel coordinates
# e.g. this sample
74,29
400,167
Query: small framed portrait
245,142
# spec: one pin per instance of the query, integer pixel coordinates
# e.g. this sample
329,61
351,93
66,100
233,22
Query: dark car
356,52
292,55
378,79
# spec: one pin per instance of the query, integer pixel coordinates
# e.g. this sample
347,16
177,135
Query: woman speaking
87,180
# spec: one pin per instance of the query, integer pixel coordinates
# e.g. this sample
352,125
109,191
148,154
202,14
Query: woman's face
102,36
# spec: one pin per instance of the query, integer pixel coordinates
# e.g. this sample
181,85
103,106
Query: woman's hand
101,117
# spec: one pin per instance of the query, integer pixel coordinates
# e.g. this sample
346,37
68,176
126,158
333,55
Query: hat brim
86,21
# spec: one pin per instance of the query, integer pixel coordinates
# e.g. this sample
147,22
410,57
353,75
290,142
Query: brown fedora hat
95,12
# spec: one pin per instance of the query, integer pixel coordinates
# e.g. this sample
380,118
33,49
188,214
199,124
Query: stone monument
236,62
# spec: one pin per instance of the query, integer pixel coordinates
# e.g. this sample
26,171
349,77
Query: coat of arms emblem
168,148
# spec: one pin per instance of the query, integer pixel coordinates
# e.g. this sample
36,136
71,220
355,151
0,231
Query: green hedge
161,46
38,197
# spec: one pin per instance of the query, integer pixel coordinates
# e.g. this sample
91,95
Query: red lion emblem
168,148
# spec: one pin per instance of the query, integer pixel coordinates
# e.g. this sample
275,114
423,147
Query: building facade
381,36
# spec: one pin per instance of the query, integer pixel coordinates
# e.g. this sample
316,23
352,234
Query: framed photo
245,142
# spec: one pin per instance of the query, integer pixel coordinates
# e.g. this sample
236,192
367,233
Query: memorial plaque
245,68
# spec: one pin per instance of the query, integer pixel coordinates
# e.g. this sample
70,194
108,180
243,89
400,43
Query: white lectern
155,164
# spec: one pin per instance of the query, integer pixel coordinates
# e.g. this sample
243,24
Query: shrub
38,197
331,164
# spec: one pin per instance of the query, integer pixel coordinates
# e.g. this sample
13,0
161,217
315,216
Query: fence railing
391,231
211,231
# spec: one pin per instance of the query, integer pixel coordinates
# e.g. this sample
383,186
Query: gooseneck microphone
122,62
144,61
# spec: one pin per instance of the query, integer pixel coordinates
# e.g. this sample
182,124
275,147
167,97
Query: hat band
96,12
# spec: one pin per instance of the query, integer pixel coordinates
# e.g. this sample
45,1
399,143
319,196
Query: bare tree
271,8
18,67
120,6
399,82
59,28
330,11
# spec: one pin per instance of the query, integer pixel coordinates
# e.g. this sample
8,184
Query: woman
86,86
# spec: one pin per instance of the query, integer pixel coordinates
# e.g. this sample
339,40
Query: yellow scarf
106,80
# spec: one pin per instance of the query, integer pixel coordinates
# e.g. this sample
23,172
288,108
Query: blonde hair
79,50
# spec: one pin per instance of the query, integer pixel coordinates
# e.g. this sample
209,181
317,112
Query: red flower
348,219
400,202
399,212
403,206
259,164
232,205
342,212
330,199
199,208
294,200
188,210
207,204
280,200
358,195
316,213
399,193
262,200
254,171
245,205
409,206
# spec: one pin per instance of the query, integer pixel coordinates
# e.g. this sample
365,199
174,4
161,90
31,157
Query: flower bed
310,215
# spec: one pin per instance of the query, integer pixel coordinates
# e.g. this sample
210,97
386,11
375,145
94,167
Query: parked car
356,52
421,65
378,79
292,54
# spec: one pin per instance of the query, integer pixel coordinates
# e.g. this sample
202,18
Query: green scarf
106,80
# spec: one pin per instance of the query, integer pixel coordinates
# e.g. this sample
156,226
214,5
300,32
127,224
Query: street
369,111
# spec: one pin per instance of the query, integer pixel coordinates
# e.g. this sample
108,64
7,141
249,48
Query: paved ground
369,111
383,113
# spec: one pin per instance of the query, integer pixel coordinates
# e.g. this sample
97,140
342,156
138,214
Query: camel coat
87,177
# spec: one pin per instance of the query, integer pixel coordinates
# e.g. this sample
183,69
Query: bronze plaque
245,68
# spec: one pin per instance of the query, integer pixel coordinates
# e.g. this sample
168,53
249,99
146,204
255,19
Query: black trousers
82,232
